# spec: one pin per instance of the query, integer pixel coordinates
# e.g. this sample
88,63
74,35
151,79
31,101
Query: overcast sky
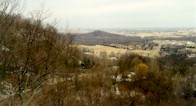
120,13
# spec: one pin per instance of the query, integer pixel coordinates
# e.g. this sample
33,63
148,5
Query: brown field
119,51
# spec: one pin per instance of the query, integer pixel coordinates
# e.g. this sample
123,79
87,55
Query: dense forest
39,66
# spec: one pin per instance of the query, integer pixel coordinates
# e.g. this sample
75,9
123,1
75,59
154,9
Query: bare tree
33,51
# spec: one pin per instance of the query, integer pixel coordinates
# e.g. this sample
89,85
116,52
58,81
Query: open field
159,34
98,48
119,51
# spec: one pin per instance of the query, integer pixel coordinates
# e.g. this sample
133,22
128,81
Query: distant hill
99,37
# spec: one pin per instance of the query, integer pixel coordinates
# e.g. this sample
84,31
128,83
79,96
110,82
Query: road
156,50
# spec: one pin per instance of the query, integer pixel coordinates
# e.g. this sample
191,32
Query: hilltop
99,37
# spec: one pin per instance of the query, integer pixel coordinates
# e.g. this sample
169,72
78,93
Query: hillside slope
100,37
